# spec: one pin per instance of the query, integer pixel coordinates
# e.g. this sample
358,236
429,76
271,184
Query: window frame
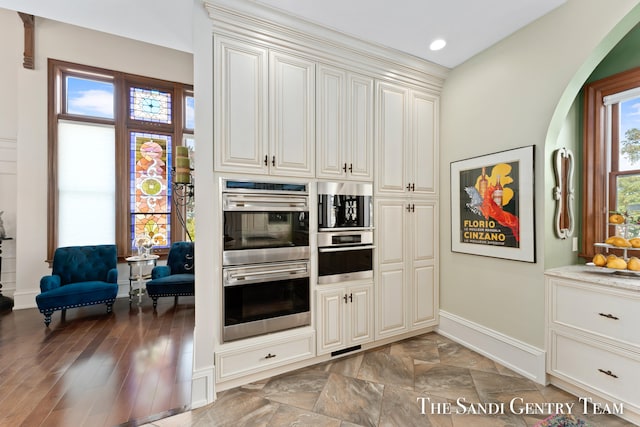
57,71
596,177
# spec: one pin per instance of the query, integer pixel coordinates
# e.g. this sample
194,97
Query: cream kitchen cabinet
406,265
345,316
264,111
592,336
407,140
344,124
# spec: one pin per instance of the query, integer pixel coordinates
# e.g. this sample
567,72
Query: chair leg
109,307
47,317
175,300
155,302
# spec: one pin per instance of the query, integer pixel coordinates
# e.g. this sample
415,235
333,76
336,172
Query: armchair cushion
81,275
77,295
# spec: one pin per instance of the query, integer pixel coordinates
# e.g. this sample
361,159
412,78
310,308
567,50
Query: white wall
64,42
11,54
517,93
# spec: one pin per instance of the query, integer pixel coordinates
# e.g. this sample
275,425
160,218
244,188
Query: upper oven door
265,228
344,206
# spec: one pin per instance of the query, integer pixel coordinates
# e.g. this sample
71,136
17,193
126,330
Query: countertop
598,275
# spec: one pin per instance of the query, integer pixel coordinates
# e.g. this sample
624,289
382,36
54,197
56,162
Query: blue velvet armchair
81,275
177,277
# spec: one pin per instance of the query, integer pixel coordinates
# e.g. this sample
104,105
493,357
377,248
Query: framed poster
492,209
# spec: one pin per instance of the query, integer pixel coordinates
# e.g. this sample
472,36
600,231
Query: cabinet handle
344,168
350,167
351,297
413,186
345,298
609,316
611,374
413,208
270,356
273,161
409,187
408,207
266,160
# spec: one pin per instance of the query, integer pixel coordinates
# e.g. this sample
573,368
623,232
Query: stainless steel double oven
345,231
266,257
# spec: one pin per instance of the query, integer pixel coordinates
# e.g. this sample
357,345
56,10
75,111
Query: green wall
520,92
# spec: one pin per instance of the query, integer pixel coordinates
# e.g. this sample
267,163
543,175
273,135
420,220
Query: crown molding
275,28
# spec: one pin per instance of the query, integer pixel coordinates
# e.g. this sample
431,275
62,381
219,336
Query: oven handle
242,202
345,248
238,278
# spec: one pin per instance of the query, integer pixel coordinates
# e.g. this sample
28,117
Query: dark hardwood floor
96,369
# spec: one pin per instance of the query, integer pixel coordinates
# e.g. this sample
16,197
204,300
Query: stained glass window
150,187
87,97
150,105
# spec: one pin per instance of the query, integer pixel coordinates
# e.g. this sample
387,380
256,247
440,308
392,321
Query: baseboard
523,358
22,300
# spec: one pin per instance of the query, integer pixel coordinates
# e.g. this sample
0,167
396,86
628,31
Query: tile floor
384,387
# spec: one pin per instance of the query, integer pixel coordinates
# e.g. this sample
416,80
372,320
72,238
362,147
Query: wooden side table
139,272
6,303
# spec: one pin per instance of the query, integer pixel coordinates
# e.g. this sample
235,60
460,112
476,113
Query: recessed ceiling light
437,44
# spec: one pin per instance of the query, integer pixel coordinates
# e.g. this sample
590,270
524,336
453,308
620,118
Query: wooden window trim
595,174
57,70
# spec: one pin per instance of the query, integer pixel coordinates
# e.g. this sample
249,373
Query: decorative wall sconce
563,192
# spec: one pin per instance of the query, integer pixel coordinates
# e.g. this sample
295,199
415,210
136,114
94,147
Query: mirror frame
563,192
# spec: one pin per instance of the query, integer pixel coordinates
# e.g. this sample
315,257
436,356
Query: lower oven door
338,264
260,299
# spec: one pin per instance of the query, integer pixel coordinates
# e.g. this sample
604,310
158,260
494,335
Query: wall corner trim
202,390
523,358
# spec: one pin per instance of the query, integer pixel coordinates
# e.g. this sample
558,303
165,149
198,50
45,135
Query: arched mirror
563,193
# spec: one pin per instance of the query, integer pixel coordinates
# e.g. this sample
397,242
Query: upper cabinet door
359,147
344,125
424,149
392,118
292,114
241,106
331,123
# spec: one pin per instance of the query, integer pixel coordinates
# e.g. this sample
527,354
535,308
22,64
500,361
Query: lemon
616,219
599,260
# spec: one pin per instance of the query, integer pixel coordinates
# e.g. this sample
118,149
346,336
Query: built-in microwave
345,205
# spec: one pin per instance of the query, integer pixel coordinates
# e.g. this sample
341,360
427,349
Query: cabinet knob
609,373
270,356
609,316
